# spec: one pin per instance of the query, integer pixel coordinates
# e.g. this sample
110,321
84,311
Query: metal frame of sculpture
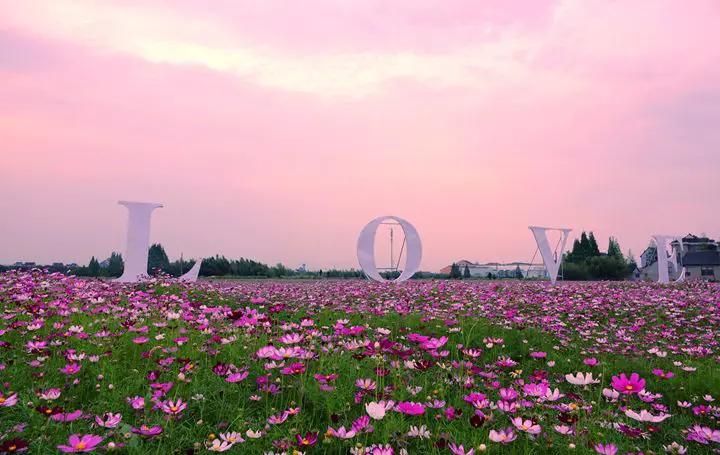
552,265
366,249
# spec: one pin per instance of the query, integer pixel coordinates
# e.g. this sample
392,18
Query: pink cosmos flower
434,343
50,394
366,384
508,394
538,355
628,386
8,401
237,377
341,433
526,425
410,408
70,368
563,429
291,338
279,418
78,443
108,420
140,340
608,449
644,416
505,436
136,402
217,445
295,368
66,417
150,431
663,374
702,434
174,408
591,361
581,379
460,450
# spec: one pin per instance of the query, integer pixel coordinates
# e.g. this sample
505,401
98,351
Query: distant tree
157,259
593,250
466,272
518,273
93,267
490,276
455,271
614,249
116,265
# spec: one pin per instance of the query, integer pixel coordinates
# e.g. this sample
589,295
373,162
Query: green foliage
518,273
455,272
157,259
585,262
116,265
466,272
94,267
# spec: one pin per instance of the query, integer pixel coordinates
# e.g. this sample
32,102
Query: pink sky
277,129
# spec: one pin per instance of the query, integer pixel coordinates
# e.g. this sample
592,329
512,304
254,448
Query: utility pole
392,262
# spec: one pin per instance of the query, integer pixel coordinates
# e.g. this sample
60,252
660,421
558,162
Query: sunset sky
276,129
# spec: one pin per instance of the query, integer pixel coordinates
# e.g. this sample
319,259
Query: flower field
427,367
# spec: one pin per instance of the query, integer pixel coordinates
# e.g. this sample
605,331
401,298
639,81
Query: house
699,256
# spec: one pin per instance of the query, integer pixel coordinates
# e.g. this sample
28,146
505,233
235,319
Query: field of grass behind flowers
356,367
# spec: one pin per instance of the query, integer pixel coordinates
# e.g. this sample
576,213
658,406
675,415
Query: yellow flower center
628,387
305,442
524,427
12,448
48,411
80,445
174,409
2,400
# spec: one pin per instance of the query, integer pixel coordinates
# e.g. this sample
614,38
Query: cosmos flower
581,379
410,408
505,436
109,420
78,443
628,386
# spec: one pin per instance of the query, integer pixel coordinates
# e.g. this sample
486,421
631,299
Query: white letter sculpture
138,243
552,264
138,240
366,249
192,274
663,261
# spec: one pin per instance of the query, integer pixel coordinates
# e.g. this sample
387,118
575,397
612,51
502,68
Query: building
498,270
699,256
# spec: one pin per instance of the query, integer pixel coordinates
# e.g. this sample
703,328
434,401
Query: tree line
586,262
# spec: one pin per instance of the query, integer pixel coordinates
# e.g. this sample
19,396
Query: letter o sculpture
366,249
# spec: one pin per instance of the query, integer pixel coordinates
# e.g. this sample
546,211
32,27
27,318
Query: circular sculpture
366,249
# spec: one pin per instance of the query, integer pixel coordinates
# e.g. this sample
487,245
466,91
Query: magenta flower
70,368
85,443
505,436
8,401
108,420
628,386
307,440
608,449
174,408
460,450
591,361
66,417
145,430
410,408
136,402
663,374
538,355
237,377
528,426
295,368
